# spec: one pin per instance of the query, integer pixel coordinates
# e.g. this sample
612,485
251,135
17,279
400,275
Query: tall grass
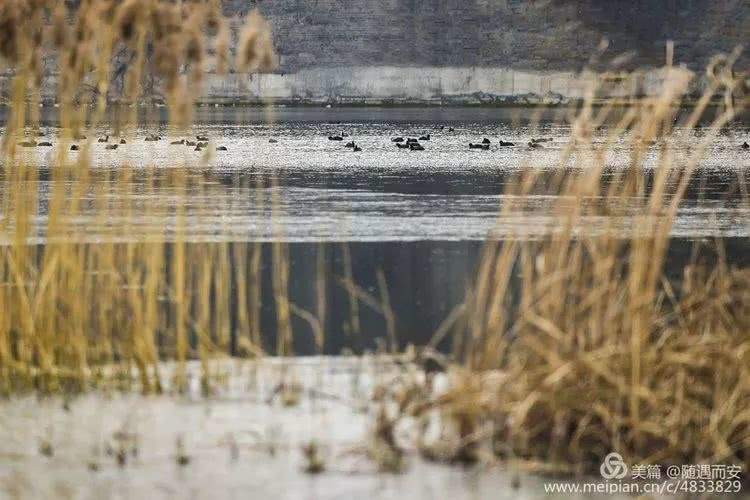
577,345
565,349
75,313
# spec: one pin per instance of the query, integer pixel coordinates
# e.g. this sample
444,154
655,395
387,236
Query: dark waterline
514,115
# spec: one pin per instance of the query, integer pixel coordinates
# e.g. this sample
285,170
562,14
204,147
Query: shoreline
387,104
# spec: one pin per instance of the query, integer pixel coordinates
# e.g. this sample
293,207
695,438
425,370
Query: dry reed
76,313
577,345
596,352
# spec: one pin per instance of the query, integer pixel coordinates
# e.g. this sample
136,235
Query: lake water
324,191
241,443
419,216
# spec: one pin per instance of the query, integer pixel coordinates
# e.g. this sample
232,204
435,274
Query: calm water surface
319,190
420,217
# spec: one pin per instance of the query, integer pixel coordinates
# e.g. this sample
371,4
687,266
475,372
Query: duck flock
416,143
201,142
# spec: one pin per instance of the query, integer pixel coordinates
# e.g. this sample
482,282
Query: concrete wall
394,83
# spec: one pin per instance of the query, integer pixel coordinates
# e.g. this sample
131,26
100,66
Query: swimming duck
178,143
357,148
272,141
189,143
335,138
122,141
745,145
535,145
485,141
397,139
540,140
402,146
350,144
201,138
111,146
74,147
425,137
103,139
221,148
415,146
45,144
479,146
411,140
506,143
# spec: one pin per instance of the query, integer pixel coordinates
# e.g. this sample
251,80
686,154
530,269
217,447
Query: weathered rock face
470,51
517,34
475,51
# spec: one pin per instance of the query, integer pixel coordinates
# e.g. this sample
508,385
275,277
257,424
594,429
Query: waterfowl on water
201,138
221,148
745,145
535,145
202,144
74,147
485,141
415,146
350,144
411,140
111,146
450,129
543,139
189,143
402,146
506,143
45,144
178,143
397,139
357,148
425,137
122,141
103,139
479,146
272,141
335,138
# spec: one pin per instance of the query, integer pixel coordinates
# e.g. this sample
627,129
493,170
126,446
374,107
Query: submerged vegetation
598,352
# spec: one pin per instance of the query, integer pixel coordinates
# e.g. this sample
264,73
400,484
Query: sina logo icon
613,467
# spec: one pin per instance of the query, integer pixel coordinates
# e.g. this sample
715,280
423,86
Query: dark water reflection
426,280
